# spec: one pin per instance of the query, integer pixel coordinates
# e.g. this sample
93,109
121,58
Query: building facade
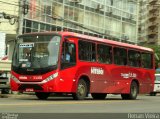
8,24
112,19
149,27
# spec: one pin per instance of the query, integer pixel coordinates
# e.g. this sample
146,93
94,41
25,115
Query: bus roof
91,38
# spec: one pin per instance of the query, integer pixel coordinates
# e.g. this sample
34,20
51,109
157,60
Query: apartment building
149,27
112,19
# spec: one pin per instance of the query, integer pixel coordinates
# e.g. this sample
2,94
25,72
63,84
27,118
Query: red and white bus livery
65,62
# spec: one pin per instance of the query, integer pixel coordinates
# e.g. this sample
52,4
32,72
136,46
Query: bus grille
33,86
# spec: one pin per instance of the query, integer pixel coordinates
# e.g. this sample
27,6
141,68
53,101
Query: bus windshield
36,52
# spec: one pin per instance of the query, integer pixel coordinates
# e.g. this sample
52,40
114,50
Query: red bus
71,63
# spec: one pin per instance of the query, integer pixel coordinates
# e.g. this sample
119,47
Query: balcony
152,25
153,17
153,30
152,41
152,33
153,8
152,1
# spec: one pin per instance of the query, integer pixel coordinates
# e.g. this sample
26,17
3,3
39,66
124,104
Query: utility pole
23,10
21,16
137,23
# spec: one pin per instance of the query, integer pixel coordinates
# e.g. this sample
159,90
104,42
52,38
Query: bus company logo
128,75
22,77
96,70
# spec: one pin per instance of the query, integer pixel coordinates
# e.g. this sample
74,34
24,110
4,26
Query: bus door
68,63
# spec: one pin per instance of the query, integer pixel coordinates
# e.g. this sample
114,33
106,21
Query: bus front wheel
42,95
133,92
81,91
99,96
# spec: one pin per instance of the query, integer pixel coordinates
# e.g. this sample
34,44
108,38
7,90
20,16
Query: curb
15,95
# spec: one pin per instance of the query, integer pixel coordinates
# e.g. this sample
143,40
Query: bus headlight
15,79
53,76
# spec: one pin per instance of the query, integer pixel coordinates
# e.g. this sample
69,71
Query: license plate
29,90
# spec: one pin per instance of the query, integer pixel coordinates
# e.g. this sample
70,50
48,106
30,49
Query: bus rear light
53,76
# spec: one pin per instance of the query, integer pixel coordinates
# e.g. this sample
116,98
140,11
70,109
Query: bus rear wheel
99,96
82,90
42,95
152,94
133,92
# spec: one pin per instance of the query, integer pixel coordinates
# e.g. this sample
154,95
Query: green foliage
156,49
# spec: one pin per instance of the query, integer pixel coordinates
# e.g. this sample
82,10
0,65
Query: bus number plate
29,90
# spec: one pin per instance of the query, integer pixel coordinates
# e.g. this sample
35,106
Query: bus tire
5,91
152,94
81,91
133,92
42,95
98,96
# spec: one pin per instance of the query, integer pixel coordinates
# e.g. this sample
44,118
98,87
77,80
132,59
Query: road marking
70,102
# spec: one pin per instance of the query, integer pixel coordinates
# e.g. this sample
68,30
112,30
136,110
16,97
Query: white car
156,85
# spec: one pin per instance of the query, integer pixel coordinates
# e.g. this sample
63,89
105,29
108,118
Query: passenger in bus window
117,58
66,55
100,57
138,60
27,53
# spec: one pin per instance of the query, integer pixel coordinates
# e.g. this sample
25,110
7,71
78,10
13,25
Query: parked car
156,85
5,68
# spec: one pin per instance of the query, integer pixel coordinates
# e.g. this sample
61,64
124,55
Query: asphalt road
112,104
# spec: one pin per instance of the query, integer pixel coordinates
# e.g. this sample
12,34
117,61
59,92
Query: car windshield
38,51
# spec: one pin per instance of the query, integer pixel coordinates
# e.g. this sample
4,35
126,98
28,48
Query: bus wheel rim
134,90
81,89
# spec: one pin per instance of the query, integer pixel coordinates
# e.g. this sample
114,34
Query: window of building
48,28
42,26
87,51
134,58
28,30
146,60
35,25
28,23
120,56
104,53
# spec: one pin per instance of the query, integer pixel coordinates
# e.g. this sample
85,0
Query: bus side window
104,54
87,51
134,58
120,56
146,59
